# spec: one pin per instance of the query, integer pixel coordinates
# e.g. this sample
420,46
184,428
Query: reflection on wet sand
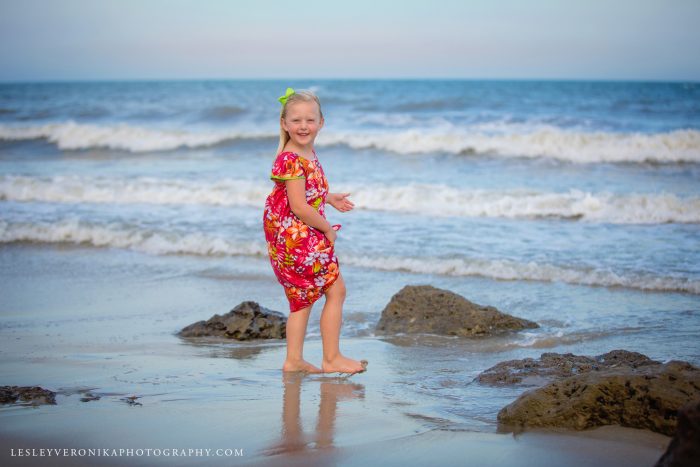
293,439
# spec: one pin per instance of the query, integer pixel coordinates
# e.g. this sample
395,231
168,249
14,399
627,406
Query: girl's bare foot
300,365
342,364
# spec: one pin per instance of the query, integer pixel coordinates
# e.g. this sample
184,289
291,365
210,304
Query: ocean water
574,204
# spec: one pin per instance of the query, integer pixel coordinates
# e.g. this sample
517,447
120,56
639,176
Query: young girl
300,240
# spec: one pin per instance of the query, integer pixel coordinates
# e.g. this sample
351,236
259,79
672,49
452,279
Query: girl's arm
296,193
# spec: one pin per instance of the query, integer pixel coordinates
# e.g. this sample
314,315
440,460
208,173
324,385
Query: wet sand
210,397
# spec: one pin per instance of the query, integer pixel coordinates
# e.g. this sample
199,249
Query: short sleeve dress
302,258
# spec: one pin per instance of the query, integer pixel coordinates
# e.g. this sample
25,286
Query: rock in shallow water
647,397
35,395
427,309
556,366
246,321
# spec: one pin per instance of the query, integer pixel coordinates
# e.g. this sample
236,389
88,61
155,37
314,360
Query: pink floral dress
302,258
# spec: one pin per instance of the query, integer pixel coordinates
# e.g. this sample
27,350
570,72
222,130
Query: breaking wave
433,200
678,146
75,136
577,147
157,242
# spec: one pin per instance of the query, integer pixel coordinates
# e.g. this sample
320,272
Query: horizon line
404,78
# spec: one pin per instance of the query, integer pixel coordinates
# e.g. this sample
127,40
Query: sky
227,39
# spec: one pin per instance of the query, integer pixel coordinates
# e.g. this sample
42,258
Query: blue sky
501,39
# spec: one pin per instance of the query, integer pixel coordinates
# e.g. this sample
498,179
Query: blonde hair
303,95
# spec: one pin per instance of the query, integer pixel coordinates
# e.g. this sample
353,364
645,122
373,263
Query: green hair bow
283,99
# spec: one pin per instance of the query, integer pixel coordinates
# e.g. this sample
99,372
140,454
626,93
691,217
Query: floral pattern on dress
302,257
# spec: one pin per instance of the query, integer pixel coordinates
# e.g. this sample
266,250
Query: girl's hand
340,201
331,235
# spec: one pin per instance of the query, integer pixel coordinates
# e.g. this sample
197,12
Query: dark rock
88,396
247,321
684,449
131,400
620,357
35,395
426,309
647,397
552,366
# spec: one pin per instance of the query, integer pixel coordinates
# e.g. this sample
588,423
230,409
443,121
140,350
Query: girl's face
303,122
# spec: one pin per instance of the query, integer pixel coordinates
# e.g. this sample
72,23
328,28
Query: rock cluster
549,366
617,388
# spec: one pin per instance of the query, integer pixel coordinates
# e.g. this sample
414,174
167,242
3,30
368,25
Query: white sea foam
434,200
578,147
441,200
74,231
124,236
71,136
540,141
549,339
510,270
80,189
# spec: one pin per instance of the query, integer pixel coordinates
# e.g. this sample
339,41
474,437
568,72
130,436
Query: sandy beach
109,331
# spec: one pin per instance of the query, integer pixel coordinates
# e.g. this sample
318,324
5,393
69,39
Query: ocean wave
150,190
427,199
75,231
540,142
511,270
553,143
116,235
441,200
76,136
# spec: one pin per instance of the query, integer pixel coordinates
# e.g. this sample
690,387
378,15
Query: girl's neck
307,152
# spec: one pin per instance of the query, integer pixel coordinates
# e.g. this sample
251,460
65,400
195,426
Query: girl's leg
331,319
296,331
